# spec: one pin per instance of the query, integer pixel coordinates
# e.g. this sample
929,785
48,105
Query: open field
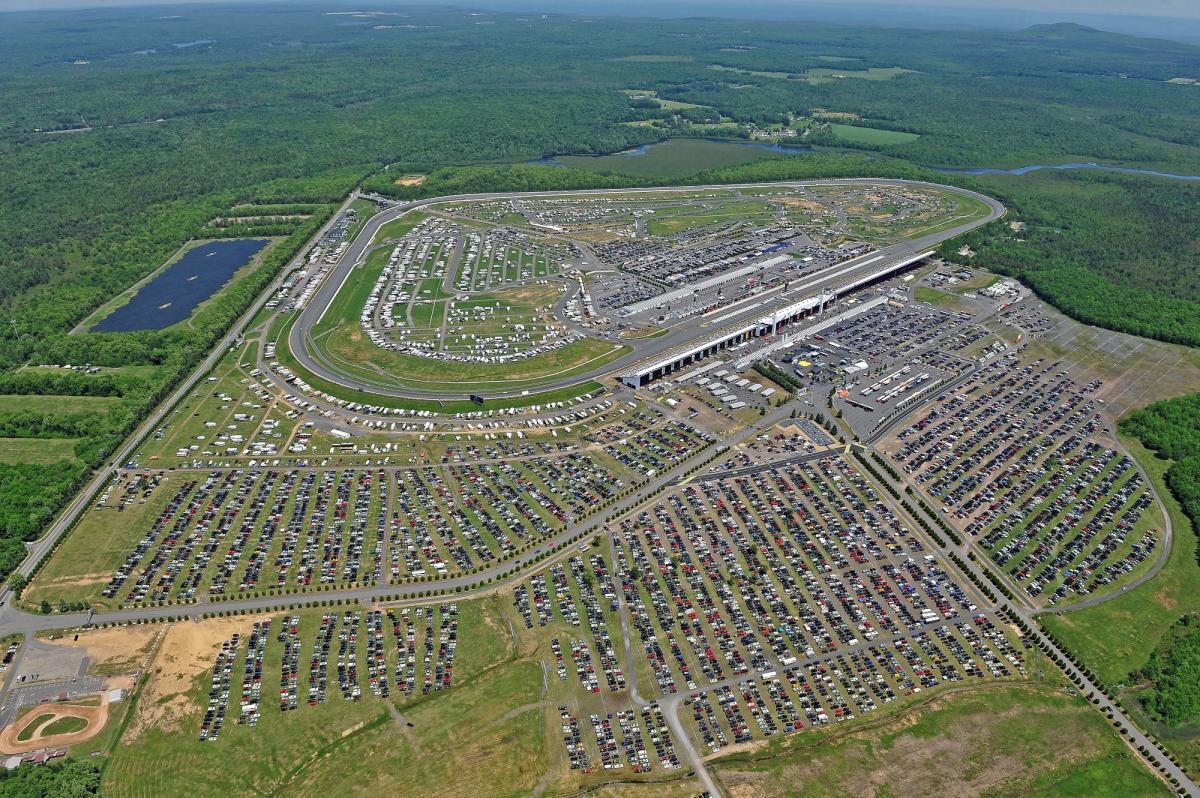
42,451
56,404
673,158
533,397
1011,740
821,74
856,134
398,227
670,222
464,740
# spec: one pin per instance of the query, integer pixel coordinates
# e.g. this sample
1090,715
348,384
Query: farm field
671,159
856,134
41,451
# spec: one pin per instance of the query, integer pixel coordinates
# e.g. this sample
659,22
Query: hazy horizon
1178,9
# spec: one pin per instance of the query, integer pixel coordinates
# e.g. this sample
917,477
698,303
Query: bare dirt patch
187,650
799,202
112,649
82,580
410,180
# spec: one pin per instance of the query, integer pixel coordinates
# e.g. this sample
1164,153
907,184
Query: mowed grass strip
871,135
437,405
65,725
27,733
38,451
397,228
18,403
349,345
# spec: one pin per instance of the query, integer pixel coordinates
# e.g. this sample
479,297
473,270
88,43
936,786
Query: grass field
923,293
33,725
349,350
1002,741
438,405
65,725
56,404
41,451
824,75
397,227
471,740
870,135
821,74
85,560
672,158
966,209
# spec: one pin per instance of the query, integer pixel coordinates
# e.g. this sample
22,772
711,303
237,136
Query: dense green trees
1174,673
1119,251
72,779
1172,429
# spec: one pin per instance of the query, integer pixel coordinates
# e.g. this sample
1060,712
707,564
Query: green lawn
933,296
672,158
36,450
854,134
27,733
472,739
65,725
397,227
436,405
671,220
10,403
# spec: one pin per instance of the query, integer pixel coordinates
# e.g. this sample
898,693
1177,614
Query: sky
793,9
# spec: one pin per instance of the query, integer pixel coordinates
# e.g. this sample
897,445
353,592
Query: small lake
1102,167
172,296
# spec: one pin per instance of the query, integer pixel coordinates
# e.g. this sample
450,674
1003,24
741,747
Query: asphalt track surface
300,336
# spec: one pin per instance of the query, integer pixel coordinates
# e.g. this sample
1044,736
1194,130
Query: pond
173,295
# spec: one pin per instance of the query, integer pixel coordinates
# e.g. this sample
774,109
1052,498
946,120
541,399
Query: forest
1174,672
117,146
74,779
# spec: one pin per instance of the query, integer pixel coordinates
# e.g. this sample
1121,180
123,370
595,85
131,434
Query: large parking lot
1020,458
